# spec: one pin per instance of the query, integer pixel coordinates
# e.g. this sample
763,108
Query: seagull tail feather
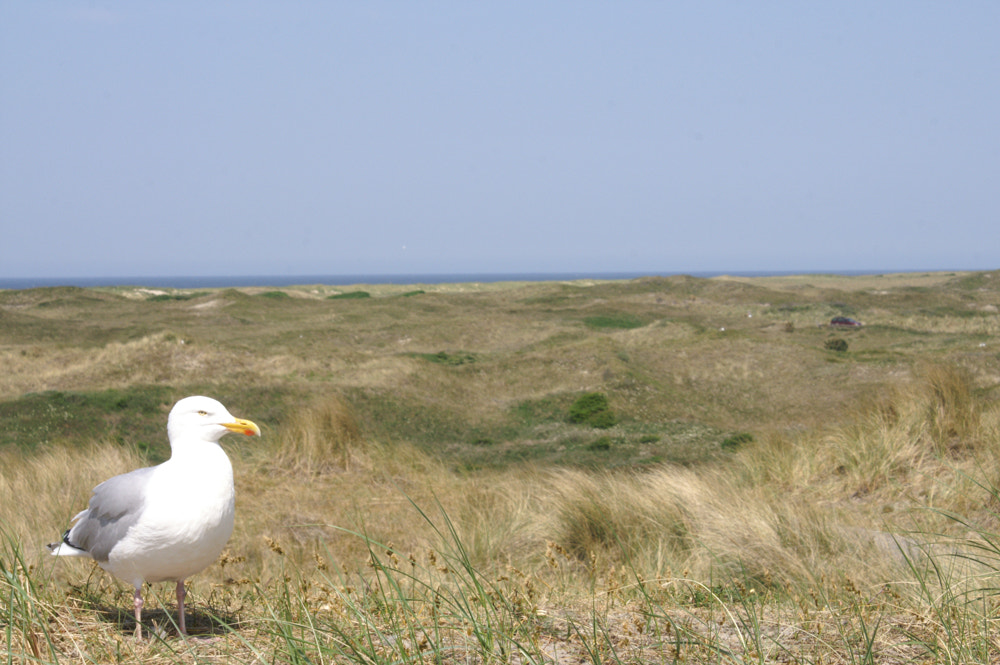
66,548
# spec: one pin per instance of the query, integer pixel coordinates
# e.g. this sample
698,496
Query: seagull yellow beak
241,426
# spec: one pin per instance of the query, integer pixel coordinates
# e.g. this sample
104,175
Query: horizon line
247,280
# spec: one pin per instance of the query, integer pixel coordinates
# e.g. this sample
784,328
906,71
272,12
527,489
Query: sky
328,138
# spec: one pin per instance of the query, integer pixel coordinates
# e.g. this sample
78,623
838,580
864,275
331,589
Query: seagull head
205,419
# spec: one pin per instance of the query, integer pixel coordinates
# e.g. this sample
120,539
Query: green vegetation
836,344
350,295
445,358
592,409
587,472
624,321
274,295
737,440
77,418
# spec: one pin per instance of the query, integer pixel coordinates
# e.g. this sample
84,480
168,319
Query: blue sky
291,138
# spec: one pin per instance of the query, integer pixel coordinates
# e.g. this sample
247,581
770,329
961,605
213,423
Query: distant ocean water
195,282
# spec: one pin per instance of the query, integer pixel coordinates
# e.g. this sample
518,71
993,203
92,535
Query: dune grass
404,509
378,553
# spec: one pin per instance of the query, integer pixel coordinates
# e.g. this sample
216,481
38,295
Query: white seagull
170,521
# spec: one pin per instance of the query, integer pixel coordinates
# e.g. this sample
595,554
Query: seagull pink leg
180,607
137,604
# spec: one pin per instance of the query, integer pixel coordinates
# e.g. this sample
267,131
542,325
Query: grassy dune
420,494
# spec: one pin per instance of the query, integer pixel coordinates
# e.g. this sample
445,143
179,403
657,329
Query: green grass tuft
737,441
838,345
622,321
592,409
453,359
350,295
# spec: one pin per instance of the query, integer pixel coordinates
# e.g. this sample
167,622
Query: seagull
170,521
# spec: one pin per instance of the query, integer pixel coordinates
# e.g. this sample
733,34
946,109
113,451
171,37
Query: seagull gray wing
114,508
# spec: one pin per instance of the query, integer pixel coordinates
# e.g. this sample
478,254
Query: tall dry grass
41,493
788,508
676,520
896,497
795,509
323,437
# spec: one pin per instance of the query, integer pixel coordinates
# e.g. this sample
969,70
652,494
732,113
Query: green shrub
592,409
350,295
838,345
625,321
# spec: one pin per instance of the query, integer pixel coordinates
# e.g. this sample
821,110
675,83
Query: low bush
838,345
350,295
592,409
624,321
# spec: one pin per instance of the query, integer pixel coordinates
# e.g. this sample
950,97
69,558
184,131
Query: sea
209,282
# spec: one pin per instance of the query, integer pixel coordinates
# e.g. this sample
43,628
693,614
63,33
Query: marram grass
435,606
722,565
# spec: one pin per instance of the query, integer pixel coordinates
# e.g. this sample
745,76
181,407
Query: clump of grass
274,295
322,437
27,615
837,344
453,358
606,321
737,441
592,409
674,519
954,413
350,295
